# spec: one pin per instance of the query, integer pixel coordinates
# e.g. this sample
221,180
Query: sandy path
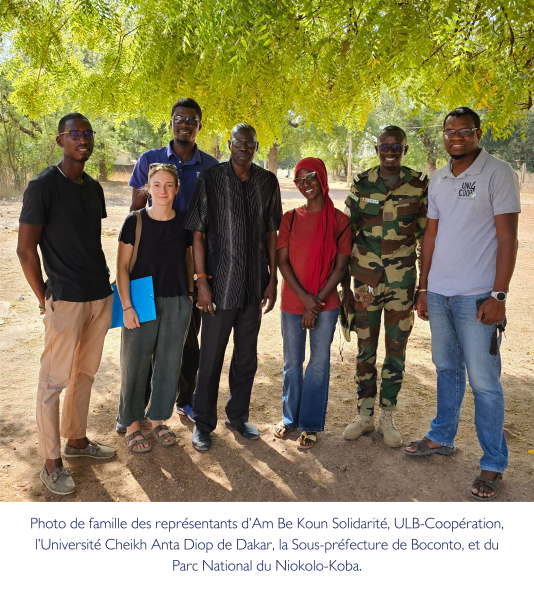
268,469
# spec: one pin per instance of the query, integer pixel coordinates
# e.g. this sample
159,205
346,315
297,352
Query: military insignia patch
364,294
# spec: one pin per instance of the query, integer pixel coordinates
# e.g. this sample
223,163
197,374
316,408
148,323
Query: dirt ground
267,469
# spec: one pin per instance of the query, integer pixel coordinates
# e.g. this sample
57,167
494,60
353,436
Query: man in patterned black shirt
235,213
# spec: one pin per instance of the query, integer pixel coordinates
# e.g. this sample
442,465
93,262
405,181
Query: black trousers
216,332
190,361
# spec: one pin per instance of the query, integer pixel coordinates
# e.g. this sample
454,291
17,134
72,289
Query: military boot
359,426
386,426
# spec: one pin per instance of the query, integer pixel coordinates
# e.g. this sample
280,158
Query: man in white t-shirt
468,258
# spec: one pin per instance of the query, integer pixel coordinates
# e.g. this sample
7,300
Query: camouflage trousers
398,322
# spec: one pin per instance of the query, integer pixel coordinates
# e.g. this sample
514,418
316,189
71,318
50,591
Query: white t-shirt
465,253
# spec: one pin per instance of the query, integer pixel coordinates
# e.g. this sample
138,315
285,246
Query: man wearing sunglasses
182,152
62,212
468,259
387,208
235,214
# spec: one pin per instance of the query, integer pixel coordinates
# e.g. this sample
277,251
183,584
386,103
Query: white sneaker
359,426
386,426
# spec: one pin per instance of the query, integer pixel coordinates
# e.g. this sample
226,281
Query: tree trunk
273,159
216,151
349,163
51,154
265,164
431,163
10,156
103,176
430,156
522,176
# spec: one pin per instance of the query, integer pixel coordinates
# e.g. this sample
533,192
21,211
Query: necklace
64,173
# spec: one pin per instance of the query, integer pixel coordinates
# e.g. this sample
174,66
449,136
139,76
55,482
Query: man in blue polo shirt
183,152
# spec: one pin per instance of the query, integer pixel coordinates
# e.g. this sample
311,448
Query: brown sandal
494,485
281,430
131,442
163,440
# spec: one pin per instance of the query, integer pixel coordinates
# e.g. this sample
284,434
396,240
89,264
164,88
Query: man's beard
182,142
458,156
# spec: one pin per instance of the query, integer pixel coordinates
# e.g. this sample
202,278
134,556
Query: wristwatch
197,276
500,296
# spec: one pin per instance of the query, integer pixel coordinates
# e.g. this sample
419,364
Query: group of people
212,236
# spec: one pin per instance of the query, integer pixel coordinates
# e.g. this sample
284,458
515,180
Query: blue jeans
459,342
304,399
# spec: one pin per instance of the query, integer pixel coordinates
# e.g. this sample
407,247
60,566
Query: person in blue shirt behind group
182,152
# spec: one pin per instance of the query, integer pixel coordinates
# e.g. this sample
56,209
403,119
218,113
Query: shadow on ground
271,469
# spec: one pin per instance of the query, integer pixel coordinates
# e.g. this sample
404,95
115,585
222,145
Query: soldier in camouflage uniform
387,206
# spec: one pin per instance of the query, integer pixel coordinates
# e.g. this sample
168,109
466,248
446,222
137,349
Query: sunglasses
191,121
397,148
299,181
164,166
77,135
241,144
450,133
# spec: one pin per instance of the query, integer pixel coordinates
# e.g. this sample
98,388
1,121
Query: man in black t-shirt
61,213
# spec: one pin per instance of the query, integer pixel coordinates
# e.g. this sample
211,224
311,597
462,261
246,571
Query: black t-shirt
71,245
161,252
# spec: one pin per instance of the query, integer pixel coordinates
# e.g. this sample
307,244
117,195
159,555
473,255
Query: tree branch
35,125
138,143
528,104
48,48
7,111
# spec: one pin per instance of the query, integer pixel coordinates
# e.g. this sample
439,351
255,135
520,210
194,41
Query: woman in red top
314,246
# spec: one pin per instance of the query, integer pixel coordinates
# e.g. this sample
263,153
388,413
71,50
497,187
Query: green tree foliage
326,60
309,140
325,63
26,145
138,135
516,149
423,127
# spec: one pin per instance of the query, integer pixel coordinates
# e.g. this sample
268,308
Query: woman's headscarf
323,254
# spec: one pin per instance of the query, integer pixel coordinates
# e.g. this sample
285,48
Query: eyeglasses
178,120
299,181
164,166
241,144
77,135
450,133
397,148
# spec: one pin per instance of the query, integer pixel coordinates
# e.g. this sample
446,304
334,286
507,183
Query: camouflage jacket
386,226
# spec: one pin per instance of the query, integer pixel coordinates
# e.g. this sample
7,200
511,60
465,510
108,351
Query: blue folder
142,296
